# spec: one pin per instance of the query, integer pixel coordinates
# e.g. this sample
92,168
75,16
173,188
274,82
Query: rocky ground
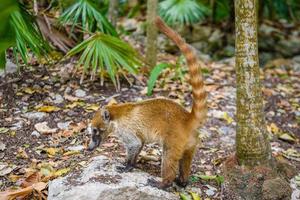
43,120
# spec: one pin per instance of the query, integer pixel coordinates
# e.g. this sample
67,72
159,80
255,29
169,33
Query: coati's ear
105,115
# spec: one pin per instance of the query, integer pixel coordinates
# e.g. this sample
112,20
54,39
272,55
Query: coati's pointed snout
95,138
93,144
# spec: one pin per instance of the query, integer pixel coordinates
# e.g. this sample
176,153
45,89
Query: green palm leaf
106,53
87,15
182,11
27,35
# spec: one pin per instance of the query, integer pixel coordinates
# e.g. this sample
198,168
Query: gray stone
100,180
296,63
200,32
9,68
17,126
277,188
2,146
63,125
295,188
58,99
288,47
76,148
68,90
80,93
35,115
130,24
36,134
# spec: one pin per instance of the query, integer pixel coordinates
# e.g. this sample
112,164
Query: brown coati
158,120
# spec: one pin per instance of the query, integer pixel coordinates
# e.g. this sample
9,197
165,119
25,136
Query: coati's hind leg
170,160
133,147
186,161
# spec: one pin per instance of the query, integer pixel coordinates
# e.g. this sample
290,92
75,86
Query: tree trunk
151,46
252,144
113,11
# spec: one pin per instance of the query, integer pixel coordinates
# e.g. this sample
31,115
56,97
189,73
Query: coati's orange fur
158,120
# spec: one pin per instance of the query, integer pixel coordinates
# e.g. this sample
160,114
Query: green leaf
107,53
182,11
217,178
154,75
184,197
2,60
27,35
87,14
195,196
6,33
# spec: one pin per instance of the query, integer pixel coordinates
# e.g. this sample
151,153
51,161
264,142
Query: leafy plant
182,11
155,72
278,9
86,14
104,52
6,34
27,35
217,178
20,32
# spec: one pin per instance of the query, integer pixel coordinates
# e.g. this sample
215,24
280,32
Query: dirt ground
38,89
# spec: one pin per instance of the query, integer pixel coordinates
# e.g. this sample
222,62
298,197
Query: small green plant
182,11
105,53
86,14
219,179
155,72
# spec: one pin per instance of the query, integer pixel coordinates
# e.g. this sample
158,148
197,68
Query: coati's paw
181,183
124,169
154,183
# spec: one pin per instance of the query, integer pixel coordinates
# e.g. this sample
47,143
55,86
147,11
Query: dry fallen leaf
31,179
273,128
61,172
51,151
44,128
92,107
70,97
22,193
48,109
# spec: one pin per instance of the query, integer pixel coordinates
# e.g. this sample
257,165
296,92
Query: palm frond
106,53
27,35
86,14
6,33
182,11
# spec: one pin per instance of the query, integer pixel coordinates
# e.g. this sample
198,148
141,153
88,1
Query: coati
158,120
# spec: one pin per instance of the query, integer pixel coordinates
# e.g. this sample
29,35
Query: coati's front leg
133,147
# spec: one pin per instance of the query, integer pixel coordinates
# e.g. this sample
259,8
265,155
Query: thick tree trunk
151,46
113,11
252,144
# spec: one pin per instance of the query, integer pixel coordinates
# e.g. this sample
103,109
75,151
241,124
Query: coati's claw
124,169
181,183
154,183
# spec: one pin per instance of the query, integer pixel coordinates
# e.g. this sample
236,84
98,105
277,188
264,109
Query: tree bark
113,11
151,45
252,144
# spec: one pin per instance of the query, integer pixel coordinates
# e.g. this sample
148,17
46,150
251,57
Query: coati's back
155,115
